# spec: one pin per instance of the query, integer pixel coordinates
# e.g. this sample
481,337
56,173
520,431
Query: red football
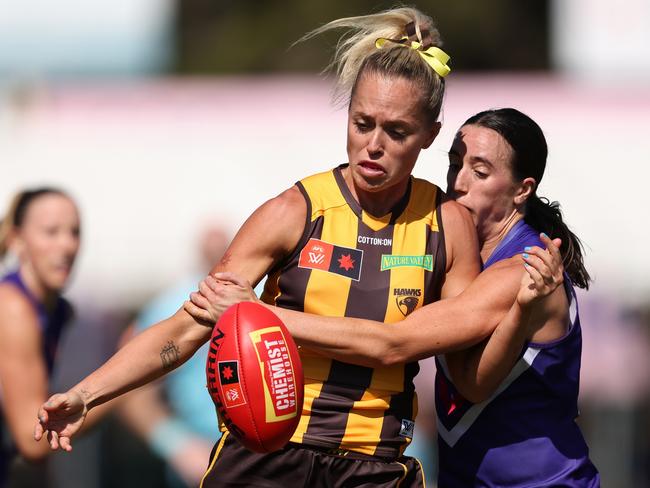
255,376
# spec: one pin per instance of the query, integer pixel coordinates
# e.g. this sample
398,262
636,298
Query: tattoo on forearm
84,393
169,354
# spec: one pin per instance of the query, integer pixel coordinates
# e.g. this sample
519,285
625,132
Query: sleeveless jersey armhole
441,257
572,300
303,238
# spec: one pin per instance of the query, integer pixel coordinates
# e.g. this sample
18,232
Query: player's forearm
448,325
23,435
151,354
357,341
435,329
478,372
30,450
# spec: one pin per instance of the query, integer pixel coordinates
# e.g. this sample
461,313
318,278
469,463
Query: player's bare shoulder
461,240
453,215
272,231
17,314
13,303
290,204
285,216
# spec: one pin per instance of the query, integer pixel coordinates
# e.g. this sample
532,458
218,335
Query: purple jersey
51,324
50,321
525,434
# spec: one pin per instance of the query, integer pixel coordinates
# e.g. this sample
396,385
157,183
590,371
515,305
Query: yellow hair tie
433,56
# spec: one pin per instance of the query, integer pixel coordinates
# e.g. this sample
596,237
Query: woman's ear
433,133
526,189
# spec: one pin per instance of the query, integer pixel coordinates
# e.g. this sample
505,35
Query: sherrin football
255,377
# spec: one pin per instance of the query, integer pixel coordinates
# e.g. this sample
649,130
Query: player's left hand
217,293
59,418
544,271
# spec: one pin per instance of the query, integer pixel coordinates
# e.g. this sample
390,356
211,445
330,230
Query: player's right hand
544,271
217,293
59,418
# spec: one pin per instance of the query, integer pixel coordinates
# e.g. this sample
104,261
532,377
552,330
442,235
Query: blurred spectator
175,416
41,229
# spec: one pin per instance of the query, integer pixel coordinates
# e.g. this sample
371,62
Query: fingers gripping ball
255,377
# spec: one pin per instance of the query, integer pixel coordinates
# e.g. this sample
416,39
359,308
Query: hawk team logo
344,261
407,299
229,378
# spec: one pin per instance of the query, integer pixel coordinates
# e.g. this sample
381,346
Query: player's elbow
469,383
474,390
477,394
390,356
394,350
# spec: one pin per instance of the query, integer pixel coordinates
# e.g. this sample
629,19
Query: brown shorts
232,465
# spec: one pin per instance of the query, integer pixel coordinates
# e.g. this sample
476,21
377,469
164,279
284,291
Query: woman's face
387,129
480,178
48,240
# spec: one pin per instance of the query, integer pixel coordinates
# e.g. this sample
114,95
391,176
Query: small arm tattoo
169,355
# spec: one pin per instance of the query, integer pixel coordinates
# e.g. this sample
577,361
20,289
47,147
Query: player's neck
36,287
377,203
490,242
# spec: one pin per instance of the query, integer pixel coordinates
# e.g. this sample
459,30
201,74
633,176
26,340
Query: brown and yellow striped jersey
349,263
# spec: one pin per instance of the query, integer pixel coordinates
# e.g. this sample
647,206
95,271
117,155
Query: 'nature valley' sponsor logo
389,261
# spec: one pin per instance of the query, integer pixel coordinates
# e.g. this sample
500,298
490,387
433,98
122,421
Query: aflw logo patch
324,256
229,378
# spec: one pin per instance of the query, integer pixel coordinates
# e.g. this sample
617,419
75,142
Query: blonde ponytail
8,223
356,52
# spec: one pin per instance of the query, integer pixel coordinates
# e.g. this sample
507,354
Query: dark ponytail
529,160
546,216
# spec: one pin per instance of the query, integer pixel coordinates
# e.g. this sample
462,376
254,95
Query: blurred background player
42,230
175,416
